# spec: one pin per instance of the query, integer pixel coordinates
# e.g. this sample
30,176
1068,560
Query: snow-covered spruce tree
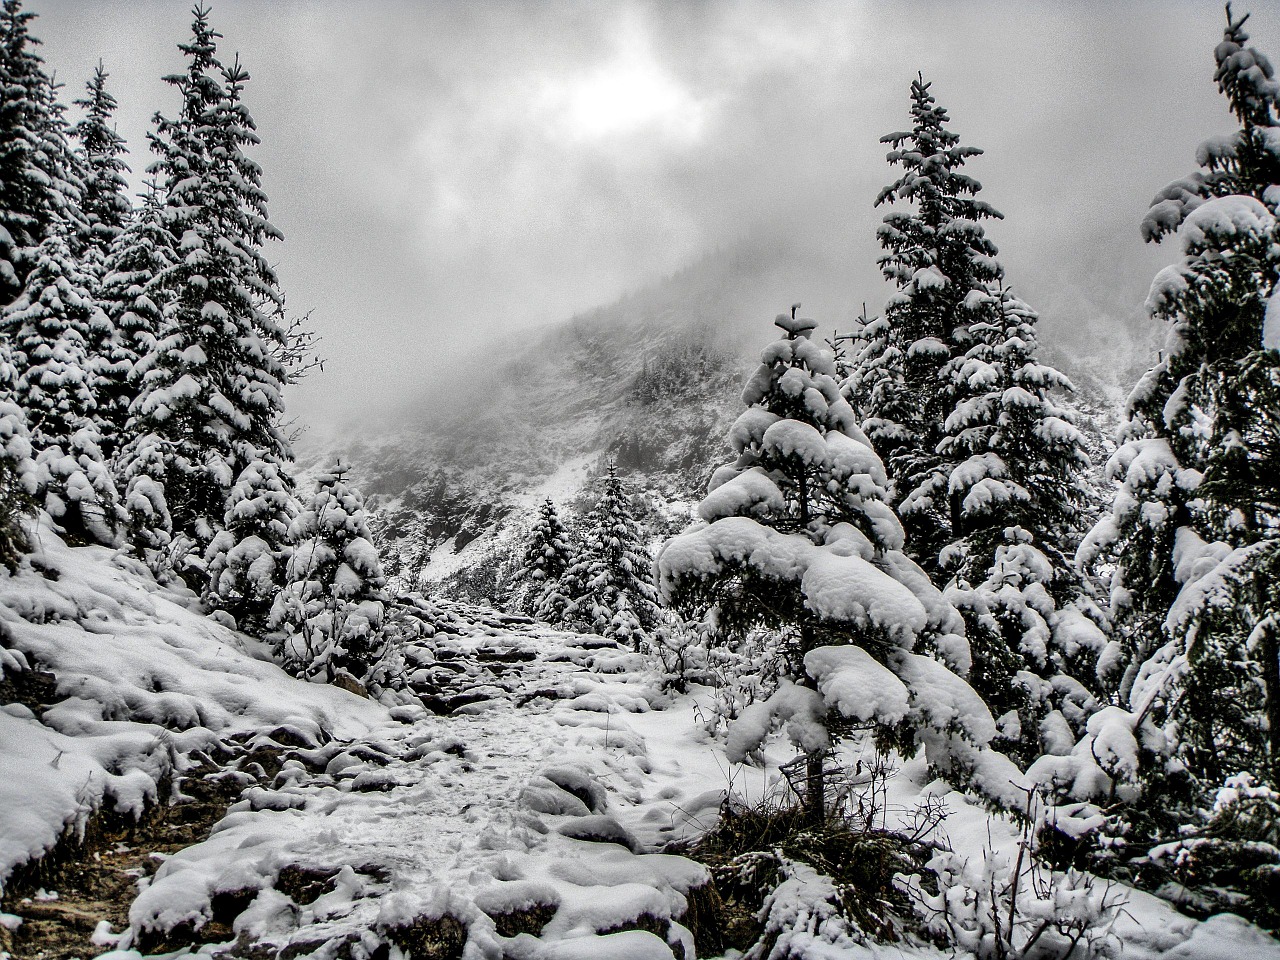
49,328
546,558
107,210
984,464
1035,648
609,584
1194,534
209,399
940,259
246,559
1011,469
132,298
104,195
41,191
1012,456
555,603
799,538
330,612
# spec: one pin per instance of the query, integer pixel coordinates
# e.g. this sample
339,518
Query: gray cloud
446,172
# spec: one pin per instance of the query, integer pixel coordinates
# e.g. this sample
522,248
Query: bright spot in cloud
630,94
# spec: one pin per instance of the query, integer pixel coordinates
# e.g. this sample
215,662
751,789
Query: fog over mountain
446,174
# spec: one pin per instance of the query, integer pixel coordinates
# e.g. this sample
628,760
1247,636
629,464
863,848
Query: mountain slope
652,381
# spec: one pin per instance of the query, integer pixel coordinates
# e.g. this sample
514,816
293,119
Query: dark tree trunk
815,780
815,798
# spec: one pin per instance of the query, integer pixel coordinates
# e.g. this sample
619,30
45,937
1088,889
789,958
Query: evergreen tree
39,189
799,538
104,198
943,264
133,301
331,609
546,558
19,482
246,559
1012,457
209,399
49,327
1012,471
985,466
1194,534
1035,655
609,585
107,211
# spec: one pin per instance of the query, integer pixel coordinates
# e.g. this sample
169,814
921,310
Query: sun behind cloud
629,94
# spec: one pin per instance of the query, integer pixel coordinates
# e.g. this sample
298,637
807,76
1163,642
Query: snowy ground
523,823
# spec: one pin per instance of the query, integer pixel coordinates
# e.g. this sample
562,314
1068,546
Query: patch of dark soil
530,920
506,654
658,926
434,704
96,876
430,938
226,906
35,689
546,693
596,828
304,885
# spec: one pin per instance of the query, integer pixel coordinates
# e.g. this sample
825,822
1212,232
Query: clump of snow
855,684
1224,219
839,588
750,492
1271,323
801,709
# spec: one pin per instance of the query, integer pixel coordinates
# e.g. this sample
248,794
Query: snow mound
143,682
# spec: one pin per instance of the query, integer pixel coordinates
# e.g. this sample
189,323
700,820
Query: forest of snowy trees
146,347
902,546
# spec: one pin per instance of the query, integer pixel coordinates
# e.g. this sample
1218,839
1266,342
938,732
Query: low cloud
447,173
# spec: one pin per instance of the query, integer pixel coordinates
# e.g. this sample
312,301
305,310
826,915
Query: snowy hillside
527,818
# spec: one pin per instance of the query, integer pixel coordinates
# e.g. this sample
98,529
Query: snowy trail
485,815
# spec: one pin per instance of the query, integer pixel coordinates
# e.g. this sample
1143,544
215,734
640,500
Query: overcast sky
450,171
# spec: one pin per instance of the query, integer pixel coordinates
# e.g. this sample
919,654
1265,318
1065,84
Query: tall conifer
39,189
938,256
799,538
104,195
1192,545
209,398
546,558
609,584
